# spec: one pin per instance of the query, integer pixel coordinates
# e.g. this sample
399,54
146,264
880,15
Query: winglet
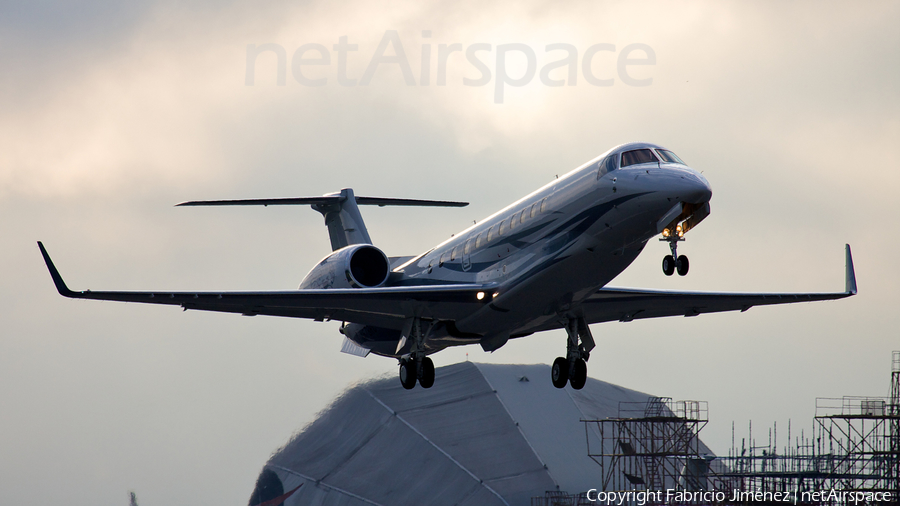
850,281
57,279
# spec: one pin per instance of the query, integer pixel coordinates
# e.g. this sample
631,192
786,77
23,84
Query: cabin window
468,247
441,261
478,240
502,228
544,204
534,210
524,215
637,156
512,221
490,234
453,253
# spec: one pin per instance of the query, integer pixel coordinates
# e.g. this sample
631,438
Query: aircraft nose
698,190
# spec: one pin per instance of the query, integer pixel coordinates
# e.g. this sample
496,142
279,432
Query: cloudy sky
111,113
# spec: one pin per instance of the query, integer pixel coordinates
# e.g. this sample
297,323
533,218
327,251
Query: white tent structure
484,435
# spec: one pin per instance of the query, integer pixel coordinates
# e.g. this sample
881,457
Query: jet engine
354,266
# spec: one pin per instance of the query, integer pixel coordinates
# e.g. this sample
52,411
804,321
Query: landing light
666,232
495,295
479,295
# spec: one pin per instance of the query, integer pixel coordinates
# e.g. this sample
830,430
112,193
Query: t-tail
340,209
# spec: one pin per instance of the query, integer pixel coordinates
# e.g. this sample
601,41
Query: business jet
541,263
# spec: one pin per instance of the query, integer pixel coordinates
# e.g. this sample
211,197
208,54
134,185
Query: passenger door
467,251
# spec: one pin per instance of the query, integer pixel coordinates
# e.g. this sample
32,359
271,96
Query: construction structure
852,455
854,448
654,445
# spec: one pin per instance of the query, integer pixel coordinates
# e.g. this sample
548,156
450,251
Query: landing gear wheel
668,265
408,374
559,373
579,375
682,265
427,379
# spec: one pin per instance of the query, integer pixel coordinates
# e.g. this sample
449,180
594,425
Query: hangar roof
485,434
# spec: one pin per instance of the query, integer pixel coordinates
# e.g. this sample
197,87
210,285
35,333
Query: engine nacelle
354,266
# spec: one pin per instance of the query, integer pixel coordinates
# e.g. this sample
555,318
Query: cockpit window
669,156
607,165
637,156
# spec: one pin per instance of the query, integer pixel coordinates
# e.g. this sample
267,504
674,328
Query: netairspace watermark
490,62
671,495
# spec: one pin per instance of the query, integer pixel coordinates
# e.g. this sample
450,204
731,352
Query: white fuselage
578,233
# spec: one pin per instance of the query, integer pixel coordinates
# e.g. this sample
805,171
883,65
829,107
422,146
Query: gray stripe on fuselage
584,221
569,231
576,226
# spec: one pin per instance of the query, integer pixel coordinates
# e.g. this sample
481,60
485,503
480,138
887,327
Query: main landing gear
412,370
415,365
673,262
573,368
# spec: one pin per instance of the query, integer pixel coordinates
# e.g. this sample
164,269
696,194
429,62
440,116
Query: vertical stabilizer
345,223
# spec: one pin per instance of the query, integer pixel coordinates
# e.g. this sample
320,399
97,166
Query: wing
384,307
625,304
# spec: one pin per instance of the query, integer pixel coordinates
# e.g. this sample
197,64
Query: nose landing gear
673,262
682,265
668,265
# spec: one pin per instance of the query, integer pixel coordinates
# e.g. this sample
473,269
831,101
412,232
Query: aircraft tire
427,379
408,374
579,375
559,373
668,265
682,265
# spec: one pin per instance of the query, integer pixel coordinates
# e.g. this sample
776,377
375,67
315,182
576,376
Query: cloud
113,112
163,102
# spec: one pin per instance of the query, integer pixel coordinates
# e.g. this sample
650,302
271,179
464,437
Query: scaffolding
854,447
653,445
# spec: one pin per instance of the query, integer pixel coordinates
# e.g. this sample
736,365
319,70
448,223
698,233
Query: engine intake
354,266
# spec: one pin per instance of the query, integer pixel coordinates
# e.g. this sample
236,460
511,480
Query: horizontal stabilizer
324,200
342,217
